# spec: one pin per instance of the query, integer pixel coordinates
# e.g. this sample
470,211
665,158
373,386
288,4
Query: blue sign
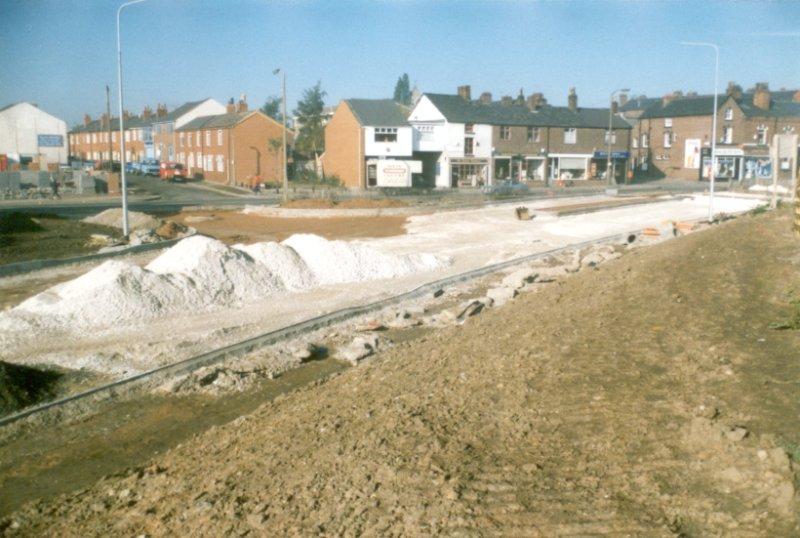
51,141
614,155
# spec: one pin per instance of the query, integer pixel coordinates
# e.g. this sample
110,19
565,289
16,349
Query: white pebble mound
113,217
283,262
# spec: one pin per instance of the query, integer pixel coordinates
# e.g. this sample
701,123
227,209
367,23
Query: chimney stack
486,98
536,101
104,121
230,108
241,106
126,115
761,97
623,99
734,90
520,98
667,99
87,119
614,107
506,100
147,112
161,110
465,92
572,100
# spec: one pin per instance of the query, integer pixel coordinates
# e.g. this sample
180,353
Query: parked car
506,187
150,167
171,171
131,167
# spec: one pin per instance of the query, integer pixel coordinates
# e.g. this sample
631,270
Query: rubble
359,349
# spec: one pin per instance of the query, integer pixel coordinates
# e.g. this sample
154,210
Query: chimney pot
241,106
761,97
536,101
572,100
465,92
734,90
230,108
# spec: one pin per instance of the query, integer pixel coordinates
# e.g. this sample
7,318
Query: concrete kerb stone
83,402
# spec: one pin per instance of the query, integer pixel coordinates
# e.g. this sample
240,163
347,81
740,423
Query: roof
781,105
378,112
219,121
12,105
459,110
638,103
98,125
180,111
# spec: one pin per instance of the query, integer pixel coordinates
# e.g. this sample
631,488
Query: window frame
570,139
505,132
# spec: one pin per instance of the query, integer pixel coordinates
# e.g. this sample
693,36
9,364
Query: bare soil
235,227
647,397
350,203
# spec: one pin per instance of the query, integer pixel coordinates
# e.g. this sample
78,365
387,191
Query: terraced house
672,137
477,142
98,139
240,147
165,123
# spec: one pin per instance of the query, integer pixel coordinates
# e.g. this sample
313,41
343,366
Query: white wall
402,148
20,126
209,107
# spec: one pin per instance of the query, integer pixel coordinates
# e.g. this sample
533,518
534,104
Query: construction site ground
646,397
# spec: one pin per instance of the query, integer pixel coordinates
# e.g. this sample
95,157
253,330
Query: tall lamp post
123,183
713,126
283,115
612,181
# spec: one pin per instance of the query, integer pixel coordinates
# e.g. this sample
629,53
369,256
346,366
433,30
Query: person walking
54,187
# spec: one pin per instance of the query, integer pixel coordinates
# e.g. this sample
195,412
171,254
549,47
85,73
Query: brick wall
344,149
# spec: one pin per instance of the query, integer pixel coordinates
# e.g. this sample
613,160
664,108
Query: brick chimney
734,90
486,98
241,105
104,121
520,98
147,112
614,107
161,110
126,115
230,108
761,97
87,119
536,101
506,100
623,99
572,100
465,92
667,99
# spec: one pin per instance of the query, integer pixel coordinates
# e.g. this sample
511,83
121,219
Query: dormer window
667,122
385,134
728,114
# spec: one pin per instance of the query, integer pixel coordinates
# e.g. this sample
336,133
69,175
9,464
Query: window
611,137
505,132
635,142
727,135
385,134
170,152
180,139
645,140
198,159
728,114
209,163
761,135
113,136
208,138
199,140
533,134
219,138
667,122
94,138
667,139
220,163
469,128
468,146
570,135
189,140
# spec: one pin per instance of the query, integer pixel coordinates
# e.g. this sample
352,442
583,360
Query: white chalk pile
201,274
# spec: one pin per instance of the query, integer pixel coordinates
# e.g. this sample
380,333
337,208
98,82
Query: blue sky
61,53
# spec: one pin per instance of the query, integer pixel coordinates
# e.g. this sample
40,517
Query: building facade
29,136
238,148
99,140
165,124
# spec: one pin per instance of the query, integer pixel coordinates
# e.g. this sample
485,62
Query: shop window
505,132
533,134
729,114
668,139
570,135
385,134
667,122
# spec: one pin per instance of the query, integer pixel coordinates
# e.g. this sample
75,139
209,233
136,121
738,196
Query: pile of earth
350,203
113,217
21,386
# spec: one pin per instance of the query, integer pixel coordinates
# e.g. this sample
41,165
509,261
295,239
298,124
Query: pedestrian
54,187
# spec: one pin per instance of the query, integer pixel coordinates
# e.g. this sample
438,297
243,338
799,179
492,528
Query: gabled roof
379,112
12,105
458,110
180,111
219,121
638,103
781,105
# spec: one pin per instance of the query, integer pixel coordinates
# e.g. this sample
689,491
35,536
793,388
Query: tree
272,107
275,147
402,90
311,138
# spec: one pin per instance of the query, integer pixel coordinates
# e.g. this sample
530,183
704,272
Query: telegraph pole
285,173
110,145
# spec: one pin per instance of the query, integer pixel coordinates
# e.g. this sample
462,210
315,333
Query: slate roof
98,125
458,110
639,103
781,105
379,112
219,121
180,111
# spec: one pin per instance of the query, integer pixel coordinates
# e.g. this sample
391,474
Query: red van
169,171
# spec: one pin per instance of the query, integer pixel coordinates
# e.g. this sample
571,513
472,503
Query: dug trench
648,396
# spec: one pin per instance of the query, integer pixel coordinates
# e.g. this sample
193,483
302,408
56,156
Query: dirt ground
350,203
236,227
59,238
648,397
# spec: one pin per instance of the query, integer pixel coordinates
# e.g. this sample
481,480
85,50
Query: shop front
469,172
569,166
619,165
729,164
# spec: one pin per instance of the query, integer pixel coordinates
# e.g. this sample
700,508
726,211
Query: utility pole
285,172
110,145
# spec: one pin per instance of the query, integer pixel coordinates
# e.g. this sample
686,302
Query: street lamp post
283,115
612,181
123,182
713,172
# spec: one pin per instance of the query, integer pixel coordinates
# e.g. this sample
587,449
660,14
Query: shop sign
394,173
50,141
614,155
